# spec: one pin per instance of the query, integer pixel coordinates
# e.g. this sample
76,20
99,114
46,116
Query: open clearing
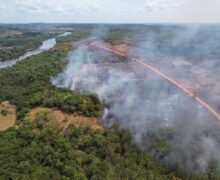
5,33
7,115
65,119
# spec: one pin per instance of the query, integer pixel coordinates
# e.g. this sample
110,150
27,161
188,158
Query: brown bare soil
137,72
122,48
65,119
7,115
65,46
5,33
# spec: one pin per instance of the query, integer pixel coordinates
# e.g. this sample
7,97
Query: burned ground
141,101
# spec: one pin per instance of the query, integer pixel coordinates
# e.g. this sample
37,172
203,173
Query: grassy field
9,32
64,119
7,115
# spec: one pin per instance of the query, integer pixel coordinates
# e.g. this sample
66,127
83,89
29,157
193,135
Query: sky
110,11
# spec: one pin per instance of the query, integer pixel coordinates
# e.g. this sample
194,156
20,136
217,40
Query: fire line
174,82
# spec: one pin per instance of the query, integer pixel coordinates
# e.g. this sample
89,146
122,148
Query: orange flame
179,85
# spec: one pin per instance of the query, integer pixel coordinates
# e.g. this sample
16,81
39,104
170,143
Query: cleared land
7,32
65,119
7,115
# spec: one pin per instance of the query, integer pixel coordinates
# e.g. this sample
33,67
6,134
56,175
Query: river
46,45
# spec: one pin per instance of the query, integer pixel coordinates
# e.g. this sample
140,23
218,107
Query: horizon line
117,23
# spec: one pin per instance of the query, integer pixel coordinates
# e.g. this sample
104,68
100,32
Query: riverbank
46,45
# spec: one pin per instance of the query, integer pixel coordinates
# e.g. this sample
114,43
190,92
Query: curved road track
164,76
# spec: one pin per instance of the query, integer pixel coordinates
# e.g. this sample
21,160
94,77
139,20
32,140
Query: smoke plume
153,109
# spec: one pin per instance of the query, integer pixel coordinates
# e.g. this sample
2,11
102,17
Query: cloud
157,5
85,8
33,5
2,7
138,11
57,9
49,6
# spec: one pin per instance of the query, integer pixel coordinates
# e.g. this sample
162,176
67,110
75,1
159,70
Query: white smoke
146,105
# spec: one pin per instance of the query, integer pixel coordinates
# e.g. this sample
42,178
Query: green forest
27,85
40,149
48,152
14,44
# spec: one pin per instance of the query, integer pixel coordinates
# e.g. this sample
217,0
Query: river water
46,45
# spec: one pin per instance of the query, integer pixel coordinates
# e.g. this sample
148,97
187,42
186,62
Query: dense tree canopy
48,152
39,148
28,84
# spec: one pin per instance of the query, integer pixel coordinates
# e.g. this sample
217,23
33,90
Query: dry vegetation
65,119
7,115
7,32
122,48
